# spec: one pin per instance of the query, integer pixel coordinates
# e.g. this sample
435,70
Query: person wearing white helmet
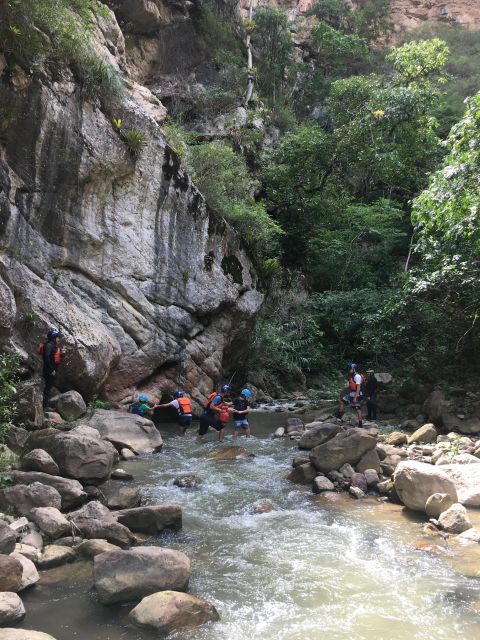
241,409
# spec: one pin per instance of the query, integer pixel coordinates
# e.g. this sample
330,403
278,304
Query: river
303,571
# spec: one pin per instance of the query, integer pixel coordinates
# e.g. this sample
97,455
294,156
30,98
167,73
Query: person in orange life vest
184,409
212,409
51,355
353,395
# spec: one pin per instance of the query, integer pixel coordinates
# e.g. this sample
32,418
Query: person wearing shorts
210,417
184,409
241,409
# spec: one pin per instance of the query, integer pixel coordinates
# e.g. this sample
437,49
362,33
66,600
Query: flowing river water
306,570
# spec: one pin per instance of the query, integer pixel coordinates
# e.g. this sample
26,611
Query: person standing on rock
211,413
184,409
241,408
371,392
353,394
51,355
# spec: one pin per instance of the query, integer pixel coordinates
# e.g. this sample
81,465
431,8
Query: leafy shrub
99,78
99,404
8,379
135,140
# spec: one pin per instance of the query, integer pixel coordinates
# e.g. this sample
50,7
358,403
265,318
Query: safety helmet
179,394
352,365
53,333
143,397
226,388
246,393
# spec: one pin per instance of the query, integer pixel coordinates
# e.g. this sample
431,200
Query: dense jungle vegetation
351,172
359,203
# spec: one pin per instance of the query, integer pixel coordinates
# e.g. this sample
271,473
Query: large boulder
70,405
7,538
23,498
317,433
346,447
51,521
425,435
151,519
123,576
126,430
169,610
322,483
79,453
55,555
11,608
11,572
29,571
455,519
71,491
466,479
40,460
437,504
94,520
396,438
16,439
123,498
369,460
415,482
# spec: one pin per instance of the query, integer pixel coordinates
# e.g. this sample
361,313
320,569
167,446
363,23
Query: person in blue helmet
51,356
213,407
184,409
241,409
141,406
353,394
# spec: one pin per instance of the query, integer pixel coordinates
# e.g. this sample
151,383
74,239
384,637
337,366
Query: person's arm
242,412
162,406
216,405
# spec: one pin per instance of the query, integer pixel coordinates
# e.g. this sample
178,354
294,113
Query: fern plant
135,141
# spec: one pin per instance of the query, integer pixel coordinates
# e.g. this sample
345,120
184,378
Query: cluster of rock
64,505
433,473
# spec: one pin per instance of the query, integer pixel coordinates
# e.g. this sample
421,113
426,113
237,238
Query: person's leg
359,416
203,429
374,409
247,430
236,429
369,410
221,433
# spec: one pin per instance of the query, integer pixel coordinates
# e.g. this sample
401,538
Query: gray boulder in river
169,610
79,453
70,490
416,481
124,576
124,429
317,433
346,447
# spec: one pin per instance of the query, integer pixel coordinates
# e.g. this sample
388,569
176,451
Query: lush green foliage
224,179
35,30
8,380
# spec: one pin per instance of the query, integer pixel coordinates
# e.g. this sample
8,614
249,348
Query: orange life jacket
57,358
184,405
209,400
352,385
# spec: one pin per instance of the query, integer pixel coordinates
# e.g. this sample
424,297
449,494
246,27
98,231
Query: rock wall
109,247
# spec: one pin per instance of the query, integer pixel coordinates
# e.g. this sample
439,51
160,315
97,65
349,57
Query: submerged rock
169,610
230,453
54,555
151,519
188,481
303,474
261,506
123,576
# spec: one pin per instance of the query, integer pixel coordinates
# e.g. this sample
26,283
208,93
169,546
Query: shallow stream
306,570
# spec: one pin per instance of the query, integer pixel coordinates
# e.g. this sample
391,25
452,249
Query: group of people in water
217,411
219,406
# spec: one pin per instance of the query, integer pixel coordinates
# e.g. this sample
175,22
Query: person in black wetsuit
51,354
371,392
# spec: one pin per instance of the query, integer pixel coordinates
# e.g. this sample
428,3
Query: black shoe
360,423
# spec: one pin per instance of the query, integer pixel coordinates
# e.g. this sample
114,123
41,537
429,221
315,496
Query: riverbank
312,566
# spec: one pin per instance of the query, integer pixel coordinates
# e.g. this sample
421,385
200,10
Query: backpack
58,352
352,384
184,405
209,400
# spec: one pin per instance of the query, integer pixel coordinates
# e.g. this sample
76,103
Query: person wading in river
51,355
211,413
353,394
241,408
184,409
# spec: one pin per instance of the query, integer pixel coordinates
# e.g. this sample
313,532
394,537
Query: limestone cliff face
112,248
406,14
